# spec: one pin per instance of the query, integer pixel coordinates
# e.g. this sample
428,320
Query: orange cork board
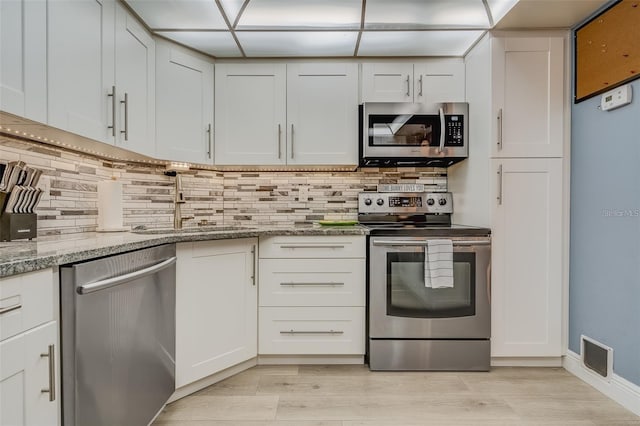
608,50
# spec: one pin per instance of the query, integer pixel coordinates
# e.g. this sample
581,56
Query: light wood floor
354,396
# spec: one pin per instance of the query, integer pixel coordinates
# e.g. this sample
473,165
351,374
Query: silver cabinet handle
500,124
112,282
11,308
52,372
253,262
499,197
311,246
292,140
423,243
420,81
112,95
311,332
441,112
294,284
126,117
279,144
209,148
408,86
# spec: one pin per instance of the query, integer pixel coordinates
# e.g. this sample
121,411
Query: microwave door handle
441,129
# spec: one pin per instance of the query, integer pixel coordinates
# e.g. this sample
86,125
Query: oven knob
442,201
379,201
430,201
367,201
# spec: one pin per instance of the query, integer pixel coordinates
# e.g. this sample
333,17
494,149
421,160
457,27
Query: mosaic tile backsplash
69,204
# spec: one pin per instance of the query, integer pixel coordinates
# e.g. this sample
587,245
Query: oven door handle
423,243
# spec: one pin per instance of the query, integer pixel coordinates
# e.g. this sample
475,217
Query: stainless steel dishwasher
118,337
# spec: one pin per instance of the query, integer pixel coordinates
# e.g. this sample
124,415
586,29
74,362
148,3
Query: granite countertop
24,256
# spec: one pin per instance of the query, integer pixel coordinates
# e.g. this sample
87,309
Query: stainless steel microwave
412,134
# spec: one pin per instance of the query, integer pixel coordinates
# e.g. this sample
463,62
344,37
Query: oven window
403,130
407,295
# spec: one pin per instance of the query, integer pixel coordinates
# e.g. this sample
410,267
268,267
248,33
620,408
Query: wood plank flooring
340,395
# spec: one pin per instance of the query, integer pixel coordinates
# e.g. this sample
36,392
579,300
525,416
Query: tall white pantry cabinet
525,104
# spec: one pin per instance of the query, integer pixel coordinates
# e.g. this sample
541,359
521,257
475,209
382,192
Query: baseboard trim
619,389
211,380
526,361
310,359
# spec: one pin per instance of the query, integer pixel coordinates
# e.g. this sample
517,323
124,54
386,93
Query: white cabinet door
80,67
250,114
184,105
527,257
216,307
387,82
322,113
439,80
528,96
23,70
135,84
24,373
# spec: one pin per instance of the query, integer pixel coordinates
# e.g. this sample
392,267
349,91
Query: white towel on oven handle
438,264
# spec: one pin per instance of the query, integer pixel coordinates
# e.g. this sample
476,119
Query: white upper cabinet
439,80
135,84
527,256
322,113
184,105
429,81
250,114
387,82
23,71
80,67
528,96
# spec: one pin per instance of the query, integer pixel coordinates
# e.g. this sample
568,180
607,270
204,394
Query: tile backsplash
69,204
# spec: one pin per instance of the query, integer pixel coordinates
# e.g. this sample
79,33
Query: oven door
401,307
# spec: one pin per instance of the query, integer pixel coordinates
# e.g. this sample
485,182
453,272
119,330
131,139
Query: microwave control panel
454,130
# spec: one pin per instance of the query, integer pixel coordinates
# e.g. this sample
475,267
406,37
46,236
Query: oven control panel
405,202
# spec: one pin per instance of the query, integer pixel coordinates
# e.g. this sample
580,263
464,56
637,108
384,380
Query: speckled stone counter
24,256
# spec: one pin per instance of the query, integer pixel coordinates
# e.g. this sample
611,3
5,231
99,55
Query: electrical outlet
303,194
620,96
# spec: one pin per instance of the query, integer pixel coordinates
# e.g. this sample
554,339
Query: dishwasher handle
112,282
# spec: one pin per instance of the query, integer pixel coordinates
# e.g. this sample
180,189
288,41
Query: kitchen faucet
179,201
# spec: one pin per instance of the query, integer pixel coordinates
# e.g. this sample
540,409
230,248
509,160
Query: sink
196,230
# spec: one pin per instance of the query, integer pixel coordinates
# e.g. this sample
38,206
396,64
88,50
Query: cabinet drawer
312,282
311,331
26,301
313,247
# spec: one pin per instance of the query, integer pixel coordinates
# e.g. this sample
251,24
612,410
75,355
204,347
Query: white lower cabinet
312,295
216,307
27,378
527,255
29,372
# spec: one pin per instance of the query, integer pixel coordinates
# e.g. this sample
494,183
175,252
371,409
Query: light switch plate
303,194
620,96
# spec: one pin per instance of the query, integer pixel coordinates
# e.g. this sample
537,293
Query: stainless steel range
425,315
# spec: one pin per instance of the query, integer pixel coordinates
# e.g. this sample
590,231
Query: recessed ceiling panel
215,43
417,43
499,8
297,43
292,14
179,14
416,14
231,8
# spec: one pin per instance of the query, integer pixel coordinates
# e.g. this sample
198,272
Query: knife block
16,226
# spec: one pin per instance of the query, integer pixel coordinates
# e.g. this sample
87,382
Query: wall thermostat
615,98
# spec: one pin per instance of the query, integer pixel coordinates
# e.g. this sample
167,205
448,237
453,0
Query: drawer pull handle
310,284
10,308
312,246
311,332
52,373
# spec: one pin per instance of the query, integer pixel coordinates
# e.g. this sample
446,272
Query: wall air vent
596,357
